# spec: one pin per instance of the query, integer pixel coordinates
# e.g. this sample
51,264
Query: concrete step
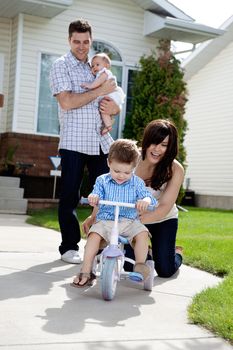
11,192
13,206
9,181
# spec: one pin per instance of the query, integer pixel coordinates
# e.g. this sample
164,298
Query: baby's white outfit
118,95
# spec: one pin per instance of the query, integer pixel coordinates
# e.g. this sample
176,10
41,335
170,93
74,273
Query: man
81,143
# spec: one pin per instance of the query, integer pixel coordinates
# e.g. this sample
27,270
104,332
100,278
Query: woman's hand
147,217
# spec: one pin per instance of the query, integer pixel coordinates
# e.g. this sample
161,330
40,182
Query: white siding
209,140
119,23
5,42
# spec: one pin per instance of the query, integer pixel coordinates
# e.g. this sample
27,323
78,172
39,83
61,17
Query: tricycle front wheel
109,277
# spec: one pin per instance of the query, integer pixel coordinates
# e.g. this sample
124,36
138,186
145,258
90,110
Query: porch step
8,181
11,196
11,192
13,206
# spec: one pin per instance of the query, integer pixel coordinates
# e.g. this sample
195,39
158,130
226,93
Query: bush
158,92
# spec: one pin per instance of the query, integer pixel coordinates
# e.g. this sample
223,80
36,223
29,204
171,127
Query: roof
41,8
164,20
161,18
163,8
208,50
178,29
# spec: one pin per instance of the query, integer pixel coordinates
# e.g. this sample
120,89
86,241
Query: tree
158,92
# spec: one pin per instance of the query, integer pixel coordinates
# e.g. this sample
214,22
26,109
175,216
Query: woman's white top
173,213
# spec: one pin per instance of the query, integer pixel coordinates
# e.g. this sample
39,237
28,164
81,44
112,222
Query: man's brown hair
80,26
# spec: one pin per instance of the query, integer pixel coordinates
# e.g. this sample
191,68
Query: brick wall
31,149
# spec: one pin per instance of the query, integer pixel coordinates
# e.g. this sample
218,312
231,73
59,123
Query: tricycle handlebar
120,204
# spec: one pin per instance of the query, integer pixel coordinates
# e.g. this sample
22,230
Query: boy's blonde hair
104,57
124,151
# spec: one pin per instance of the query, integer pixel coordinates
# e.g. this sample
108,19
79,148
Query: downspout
17,70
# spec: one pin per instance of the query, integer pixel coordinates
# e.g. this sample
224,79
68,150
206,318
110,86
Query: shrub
158,92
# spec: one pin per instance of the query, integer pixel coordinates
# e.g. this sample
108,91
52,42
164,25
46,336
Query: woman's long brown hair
154,133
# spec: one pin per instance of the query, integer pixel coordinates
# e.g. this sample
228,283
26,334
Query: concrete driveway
41,311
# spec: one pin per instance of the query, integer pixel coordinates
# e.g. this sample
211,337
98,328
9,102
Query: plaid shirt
79,127
130,191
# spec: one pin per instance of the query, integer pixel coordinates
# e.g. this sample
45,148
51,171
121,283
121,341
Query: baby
100,66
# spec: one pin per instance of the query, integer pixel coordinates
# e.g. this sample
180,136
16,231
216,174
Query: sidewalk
41,311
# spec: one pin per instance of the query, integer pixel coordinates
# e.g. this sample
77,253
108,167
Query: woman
164,175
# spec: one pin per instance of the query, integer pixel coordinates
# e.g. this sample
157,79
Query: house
34,33
209,112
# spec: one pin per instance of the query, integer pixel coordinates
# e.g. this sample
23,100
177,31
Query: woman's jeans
73,164
163,242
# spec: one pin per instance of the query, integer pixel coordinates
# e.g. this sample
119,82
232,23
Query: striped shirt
79,127
130,191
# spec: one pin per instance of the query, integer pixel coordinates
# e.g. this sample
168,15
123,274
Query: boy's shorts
126,228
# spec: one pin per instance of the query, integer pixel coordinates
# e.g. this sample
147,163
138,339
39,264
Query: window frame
124,85
38,93
127,68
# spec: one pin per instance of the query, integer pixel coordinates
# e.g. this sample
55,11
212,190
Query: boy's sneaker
71,257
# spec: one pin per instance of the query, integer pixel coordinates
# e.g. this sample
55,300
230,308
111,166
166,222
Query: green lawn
48,217
207,237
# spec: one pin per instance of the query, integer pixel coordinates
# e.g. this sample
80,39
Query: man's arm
70,100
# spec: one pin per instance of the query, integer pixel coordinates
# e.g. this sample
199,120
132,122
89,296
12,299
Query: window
131,75
47,122
117,70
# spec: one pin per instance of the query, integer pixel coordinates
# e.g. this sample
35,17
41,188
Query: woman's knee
164,270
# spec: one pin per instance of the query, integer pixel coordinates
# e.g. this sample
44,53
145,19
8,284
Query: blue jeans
163,242
73,164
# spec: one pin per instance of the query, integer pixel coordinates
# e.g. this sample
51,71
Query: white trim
43,134
125,88
41,8
178,29
1,81
122,112
1,72
164,6
121,64
113,46
17,71
37,92
40,53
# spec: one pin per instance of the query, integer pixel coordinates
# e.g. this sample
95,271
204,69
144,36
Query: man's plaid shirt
80,127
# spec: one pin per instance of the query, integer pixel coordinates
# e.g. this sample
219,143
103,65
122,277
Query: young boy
121,185
100,67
